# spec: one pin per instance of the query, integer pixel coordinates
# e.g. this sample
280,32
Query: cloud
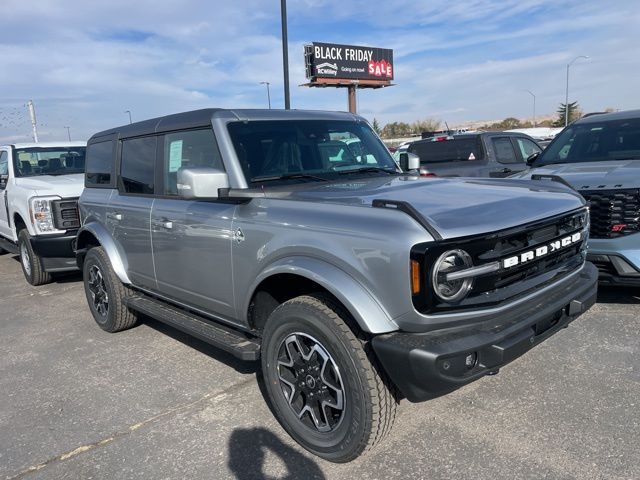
84,63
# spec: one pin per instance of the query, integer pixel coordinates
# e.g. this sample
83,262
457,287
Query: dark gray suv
354,284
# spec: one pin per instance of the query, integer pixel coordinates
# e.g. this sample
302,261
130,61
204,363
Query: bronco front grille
508,283
614,213
65,214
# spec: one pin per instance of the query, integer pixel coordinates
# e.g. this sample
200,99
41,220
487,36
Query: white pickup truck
39,188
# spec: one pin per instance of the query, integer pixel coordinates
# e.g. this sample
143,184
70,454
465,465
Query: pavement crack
213,397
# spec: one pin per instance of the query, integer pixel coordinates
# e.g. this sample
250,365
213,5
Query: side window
4,169
4,163
99,165
188,149
527,147
504,150
137,169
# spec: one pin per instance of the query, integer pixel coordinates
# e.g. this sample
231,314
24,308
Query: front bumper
57,251
427,365
617,259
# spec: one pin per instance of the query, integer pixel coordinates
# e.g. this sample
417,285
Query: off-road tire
370,402
30,262
117,316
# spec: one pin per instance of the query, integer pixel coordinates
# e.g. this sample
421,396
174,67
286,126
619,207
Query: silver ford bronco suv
353,283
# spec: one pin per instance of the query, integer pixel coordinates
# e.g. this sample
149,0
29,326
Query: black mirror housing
532,158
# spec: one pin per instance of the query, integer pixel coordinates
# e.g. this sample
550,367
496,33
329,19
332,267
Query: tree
427,125
376,126
574,113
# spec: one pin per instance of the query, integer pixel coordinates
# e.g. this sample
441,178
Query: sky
84,63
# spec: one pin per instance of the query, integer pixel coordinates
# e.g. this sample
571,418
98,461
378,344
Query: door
129,211
5,231
508,161
192,239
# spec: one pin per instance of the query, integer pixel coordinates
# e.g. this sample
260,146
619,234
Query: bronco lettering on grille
541,251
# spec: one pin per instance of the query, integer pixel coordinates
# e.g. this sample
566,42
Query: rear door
129,211
507,159
192,239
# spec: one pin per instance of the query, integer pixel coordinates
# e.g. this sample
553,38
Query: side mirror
532,158
202,182
409,161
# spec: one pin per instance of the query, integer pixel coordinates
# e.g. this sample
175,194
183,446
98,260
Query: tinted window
457,149
504,150
190,149
595,142
138,165
322,148
4,163
527,147
100,165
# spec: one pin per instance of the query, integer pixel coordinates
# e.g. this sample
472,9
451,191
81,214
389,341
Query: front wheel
32,267
105,293
325,388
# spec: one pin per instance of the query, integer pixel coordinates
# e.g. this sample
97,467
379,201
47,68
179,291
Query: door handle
114,216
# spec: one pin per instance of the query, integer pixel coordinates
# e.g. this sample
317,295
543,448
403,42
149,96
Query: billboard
328,60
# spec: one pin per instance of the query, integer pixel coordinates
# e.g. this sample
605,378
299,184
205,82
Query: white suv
39,188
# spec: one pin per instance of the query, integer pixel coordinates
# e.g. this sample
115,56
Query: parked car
39,188
486,154
599,156
350,280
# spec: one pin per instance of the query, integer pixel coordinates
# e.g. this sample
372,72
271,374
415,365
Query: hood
454,207
607,175
64,186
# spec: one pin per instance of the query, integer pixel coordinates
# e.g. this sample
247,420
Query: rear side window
137,168
188,149
503,148
458,149
99,170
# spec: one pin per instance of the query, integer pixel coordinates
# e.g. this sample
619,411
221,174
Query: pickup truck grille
508,283
614,213
65,214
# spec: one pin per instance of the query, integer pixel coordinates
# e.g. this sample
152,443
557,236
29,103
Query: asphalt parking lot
79,403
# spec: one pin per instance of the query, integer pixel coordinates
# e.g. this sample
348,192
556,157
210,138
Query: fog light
471,360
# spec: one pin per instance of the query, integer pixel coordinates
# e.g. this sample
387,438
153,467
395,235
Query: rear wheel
324,385
105,293
32,267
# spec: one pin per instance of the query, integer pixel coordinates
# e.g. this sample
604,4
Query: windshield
594,142
31,162
309,149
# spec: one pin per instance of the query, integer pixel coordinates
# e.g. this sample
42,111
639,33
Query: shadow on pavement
247,451
238,365
624,295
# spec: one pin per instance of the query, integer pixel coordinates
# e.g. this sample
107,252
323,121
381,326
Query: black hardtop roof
605,117
203,118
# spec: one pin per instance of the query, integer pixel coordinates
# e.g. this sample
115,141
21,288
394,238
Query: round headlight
451,291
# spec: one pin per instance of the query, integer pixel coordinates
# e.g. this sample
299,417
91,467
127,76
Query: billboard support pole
285,53
352,98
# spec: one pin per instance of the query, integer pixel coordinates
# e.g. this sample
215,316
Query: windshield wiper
289,176
368,169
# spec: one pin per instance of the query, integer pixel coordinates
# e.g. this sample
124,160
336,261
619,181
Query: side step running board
219,336
9,246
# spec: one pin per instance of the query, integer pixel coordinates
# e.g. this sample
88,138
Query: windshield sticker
472,156
175,156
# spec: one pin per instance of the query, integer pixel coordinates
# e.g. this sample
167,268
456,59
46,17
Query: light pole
129,112
68,133
566,95
534,107
268,92
285,53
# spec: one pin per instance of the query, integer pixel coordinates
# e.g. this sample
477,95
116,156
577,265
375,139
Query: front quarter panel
359,254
